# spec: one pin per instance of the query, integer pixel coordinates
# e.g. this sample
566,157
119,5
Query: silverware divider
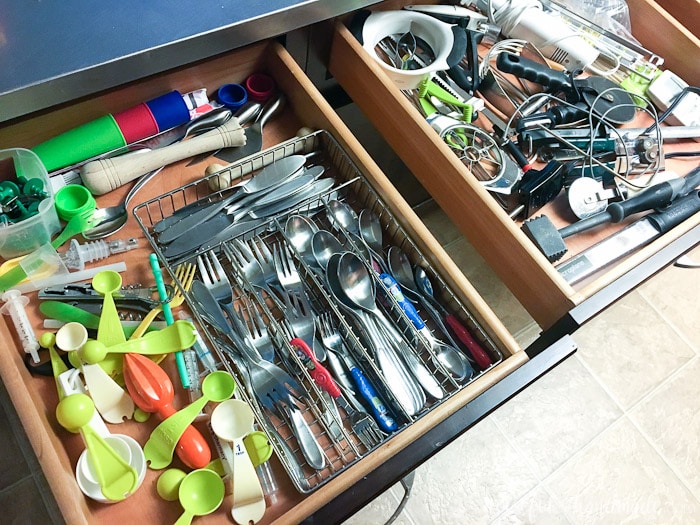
353,189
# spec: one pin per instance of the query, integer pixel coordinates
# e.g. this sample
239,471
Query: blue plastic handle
379,410
405,304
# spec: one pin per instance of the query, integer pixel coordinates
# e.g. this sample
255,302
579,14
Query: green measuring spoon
117,478
48,340
178,336
201,492
77,224
109,331
217,386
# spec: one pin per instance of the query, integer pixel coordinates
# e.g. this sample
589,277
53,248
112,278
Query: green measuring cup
201,492
217,386
117,478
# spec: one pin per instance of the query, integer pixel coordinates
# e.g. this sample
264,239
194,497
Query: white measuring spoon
231,421
111,401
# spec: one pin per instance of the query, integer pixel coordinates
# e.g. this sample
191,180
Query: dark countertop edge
123,69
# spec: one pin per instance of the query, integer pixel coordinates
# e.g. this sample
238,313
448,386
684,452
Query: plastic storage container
29,234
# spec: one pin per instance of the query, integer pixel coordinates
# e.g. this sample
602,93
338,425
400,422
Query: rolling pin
104,175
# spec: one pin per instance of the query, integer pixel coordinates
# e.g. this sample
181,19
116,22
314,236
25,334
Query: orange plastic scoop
152,391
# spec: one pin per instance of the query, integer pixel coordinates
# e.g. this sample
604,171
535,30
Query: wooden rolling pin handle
105,175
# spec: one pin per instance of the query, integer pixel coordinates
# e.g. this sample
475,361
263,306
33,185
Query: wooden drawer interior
499,239
35,398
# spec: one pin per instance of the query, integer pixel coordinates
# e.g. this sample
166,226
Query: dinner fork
362,425
257,331
334,343
242,258
184,274
263,254
297,310
215,281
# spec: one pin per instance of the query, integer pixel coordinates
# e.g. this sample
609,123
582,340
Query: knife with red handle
477,352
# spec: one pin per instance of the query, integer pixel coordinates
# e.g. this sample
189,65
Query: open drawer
36,398
498,238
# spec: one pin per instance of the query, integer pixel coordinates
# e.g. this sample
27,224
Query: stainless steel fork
362,425
242,258
257,331
297,310
263,254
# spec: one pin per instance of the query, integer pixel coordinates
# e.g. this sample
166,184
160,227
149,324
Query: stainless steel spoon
359,287
449,355
370,230
342,215
323,245
398,380
300,230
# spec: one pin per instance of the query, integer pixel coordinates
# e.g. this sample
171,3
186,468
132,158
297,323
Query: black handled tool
550,241
629,239
602,96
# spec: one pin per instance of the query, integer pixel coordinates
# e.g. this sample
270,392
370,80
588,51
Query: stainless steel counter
53,52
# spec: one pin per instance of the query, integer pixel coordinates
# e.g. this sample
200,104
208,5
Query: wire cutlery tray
265,306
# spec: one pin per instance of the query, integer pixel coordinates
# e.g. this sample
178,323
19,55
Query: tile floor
610,436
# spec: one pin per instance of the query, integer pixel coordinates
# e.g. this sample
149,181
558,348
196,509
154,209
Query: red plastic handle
317,371
478,353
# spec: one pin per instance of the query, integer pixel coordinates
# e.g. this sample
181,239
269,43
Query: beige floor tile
535,508
504,304
438,222
619,478
631,349
471,480
381,509
567,408
670,418
674,292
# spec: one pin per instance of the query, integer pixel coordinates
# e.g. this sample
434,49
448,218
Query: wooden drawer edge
540,288
37,425
374,460
652,25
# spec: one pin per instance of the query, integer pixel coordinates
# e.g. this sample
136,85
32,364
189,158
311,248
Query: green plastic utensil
77,224
217,387
48,340
201,492
178,336
109,331
117,478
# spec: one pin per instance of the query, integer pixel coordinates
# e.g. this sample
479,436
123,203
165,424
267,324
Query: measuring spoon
177,336
117,478
109,331
152,391
217,386
231,421
200,493
111,401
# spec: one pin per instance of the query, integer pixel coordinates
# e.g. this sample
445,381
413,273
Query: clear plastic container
29,234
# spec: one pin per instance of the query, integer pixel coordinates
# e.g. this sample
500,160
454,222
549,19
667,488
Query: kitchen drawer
35,398
499,239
